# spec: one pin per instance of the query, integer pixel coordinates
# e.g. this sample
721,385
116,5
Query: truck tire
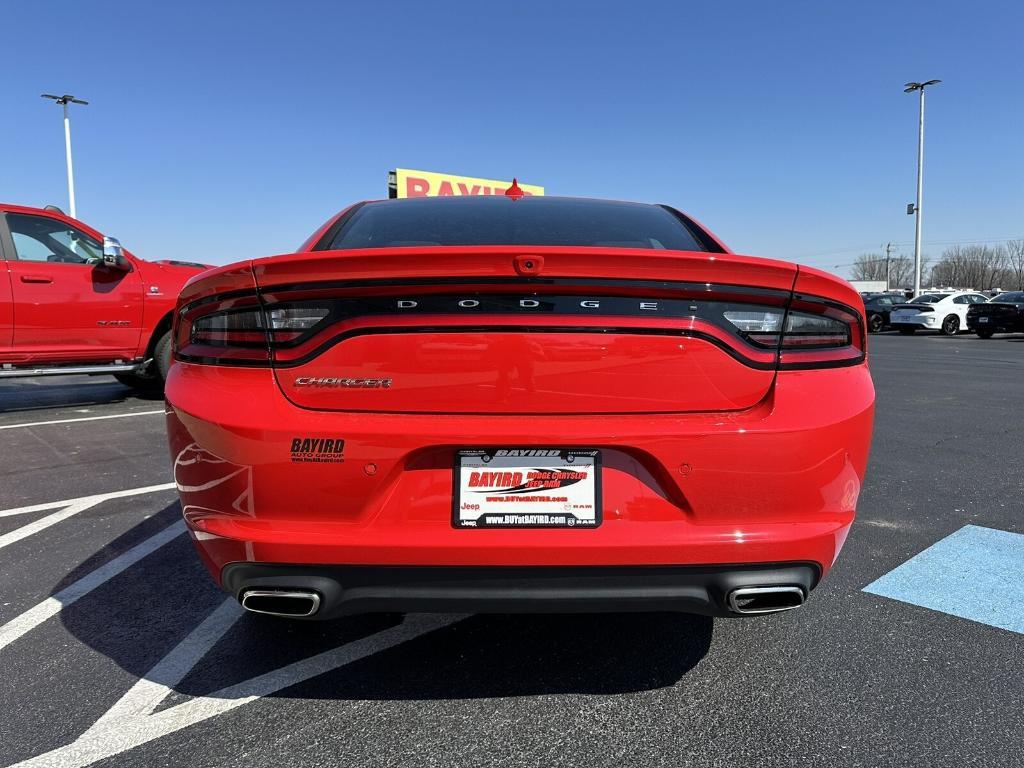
153,381
149,384
162,355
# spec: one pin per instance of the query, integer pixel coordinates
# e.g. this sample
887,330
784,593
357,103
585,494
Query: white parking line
95,498
43,523
131,722
83,418
52,605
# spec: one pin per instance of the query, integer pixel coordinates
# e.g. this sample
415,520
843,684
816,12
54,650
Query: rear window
1014,297
506,221
929,298
884,298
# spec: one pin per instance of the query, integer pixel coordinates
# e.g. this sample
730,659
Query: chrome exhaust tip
277,602
748,600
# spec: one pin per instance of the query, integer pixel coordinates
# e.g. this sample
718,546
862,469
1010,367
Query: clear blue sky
219,131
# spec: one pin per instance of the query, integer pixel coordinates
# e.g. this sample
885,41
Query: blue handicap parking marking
975,573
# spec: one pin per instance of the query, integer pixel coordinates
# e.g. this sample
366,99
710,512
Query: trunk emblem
331,381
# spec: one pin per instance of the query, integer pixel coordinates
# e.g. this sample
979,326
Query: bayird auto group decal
318,450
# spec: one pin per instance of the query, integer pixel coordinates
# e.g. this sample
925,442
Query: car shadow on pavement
30,395
138,616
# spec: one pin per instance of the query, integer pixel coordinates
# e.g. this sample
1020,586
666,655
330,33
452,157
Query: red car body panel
737,456
52,313
493,371
702,490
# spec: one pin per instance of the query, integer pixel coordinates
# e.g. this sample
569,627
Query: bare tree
981,267
868,266
1014,265
901,271
971,266
995,272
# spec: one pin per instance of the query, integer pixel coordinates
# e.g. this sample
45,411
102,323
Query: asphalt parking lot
116,649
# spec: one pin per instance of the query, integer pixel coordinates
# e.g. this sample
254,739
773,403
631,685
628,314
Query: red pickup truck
73,301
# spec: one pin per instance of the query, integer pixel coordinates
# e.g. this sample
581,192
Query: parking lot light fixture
916,208
64,100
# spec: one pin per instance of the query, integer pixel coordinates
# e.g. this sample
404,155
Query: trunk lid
511,331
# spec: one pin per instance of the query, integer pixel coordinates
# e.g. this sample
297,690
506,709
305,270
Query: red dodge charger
518,404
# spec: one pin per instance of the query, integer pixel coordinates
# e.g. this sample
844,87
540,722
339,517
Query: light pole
888,250
64,100
910,88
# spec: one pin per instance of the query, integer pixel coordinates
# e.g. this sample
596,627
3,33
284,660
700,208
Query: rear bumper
924,320
777,483
996,325
344,590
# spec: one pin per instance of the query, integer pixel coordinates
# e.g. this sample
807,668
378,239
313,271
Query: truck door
6,308
67,305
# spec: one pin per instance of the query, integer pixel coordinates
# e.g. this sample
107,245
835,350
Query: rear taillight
229,329
291,326
822,334
759,326
817,333
231,332
290,321
240,331
805,331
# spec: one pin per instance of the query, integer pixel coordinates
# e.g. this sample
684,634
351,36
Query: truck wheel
152,381
148,384
906,330
162,355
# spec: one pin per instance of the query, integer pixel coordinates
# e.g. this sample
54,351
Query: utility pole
916,208
888,248
64,100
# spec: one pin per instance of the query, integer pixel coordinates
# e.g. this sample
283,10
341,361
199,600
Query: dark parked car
1003,314
878,306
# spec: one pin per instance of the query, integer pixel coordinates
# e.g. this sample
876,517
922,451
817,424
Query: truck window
42,239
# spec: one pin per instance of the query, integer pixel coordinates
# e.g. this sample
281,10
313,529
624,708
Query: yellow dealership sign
403,182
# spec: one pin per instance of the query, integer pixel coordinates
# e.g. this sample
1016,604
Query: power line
869,248
878,260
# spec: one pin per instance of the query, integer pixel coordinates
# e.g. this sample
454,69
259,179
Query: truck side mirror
113,255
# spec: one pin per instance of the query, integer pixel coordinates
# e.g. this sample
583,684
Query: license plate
527,488
983,319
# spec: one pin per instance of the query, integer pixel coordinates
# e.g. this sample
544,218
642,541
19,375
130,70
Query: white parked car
944,312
